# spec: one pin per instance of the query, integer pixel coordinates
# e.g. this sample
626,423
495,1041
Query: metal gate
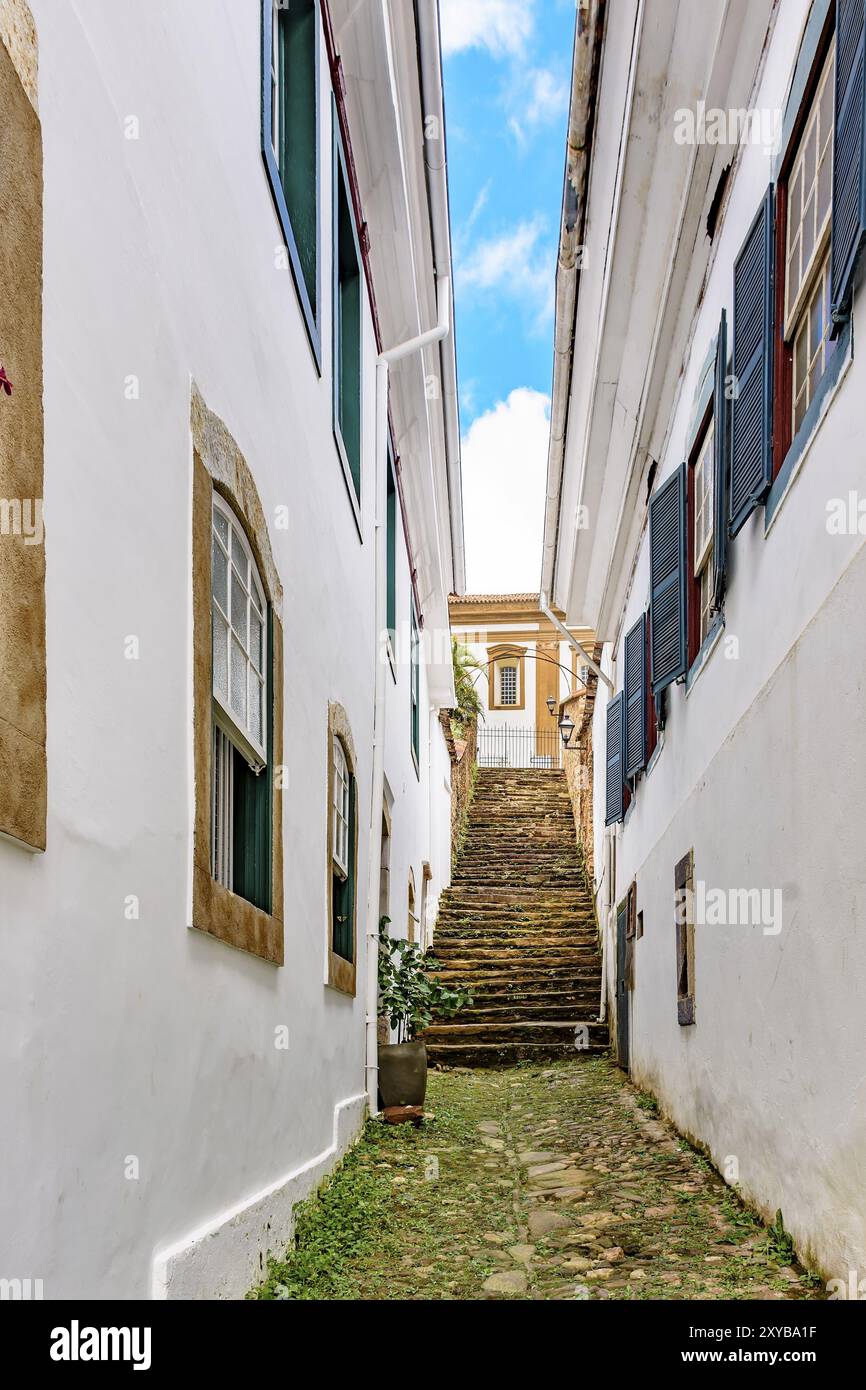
507,746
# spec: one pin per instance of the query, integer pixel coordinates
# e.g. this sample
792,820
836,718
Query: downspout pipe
374,852
584,77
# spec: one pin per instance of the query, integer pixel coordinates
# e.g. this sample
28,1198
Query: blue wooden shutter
635,698
614,798
849,155
720,479
667,542
751,414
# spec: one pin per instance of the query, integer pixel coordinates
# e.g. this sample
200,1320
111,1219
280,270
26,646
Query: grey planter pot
403,1074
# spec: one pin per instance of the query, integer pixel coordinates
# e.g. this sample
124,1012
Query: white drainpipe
374,852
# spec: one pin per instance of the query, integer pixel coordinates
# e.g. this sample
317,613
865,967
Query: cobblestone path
538,1182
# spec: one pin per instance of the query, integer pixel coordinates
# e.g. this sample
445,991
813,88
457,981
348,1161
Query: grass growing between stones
556,1182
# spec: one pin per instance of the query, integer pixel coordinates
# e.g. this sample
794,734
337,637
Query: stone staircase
517,928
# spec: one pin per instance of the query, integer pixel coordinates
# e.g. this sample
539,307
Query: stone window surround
495,655
23,676
218,465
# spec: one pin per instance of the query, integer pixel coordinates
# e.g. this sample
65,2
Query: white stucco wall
761,771
142,1038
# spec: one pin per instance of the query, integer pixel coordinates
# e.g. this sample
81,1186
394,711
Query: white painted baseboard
225,1257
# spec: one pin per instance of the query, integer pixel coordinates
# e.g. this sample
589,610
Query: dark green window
290,138
347,329
415,688
391,555
343,852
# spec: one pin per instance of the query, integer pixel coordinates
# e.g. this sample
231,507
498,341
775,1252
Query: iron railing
505,746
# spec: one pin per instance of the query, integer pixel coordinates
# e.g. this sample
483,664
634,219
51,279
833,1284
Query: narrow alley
553,1182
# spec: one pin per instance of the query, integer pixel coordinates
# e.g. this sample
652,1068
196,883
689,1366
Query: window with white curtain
341,829
239,619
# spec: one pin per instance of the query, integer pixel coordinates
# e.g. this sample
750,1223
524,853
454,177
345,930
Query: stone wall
577,762
463,754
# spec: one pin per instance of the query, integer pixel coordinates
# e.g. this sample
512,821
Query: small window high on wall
290,140
347,329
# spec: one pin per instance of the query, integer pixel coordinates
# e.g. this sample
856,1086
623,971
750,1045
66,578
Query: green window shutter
253,811
347,325
344,889
290,143
614,789
849,155
298,130
667,546
720,479
415,688
752,406
635,698
391,554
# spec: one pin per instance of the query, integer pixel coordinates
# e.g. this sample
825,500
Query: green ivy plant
409,994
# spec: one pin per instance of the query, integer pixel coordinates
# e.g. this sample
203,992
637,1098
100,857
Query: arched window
239,637
342,852
240,822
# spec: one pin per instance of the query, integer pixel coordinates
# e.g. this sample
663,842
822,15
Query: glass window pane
221,526
220,575
239,557
824,187
799,409
256,640
810,159
220,655
816,324
795,207
808,229
255,707
799,361
825,116
239,608
238,691
794,271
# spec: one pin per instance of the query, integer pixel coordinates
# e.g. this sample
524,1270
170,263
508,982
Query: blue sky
507,75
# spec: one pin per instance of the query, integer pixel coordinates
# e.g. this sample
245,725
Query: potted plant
410,997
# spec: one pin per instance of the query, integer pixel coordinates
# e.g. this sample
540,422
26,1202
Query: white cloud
516,264
504,472
542,99
500,26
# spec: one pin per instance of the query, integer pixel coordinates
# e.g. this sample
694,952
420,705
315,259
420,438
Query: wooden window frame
342,972
311,311
784,332
684,880
218,465
695,639
506,652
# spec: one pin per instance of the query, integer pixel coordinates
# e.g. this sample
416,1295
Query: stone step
517,928
478,1054
511,952
519,940
584,977
521,1011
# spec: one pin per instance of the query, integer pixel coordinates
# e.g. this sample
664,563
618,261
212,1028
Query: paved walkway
554,1182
